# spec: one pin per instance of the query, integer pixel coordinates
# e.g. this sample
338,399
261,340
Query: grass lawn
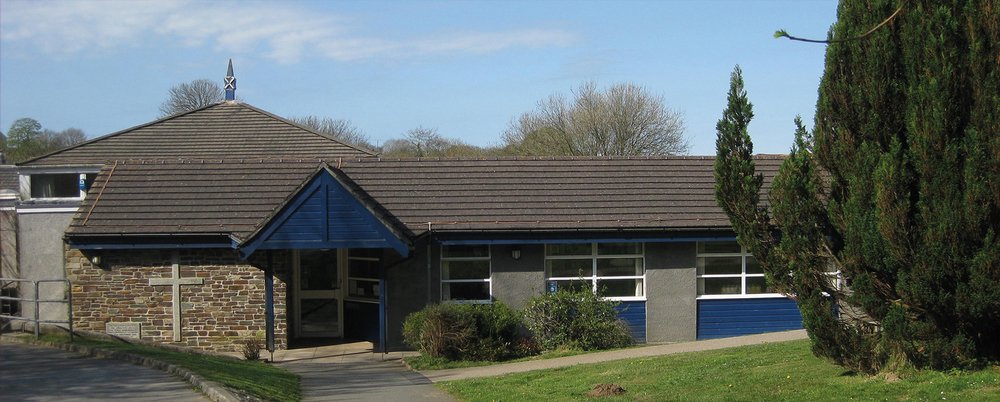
255,378
778,371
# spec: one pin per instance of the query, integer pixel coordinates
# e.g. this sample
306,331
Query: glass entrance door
319,303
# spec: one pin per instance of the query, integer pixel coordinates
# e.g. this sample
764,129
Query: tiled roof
8,177
190,197
230,130
549,193
557,194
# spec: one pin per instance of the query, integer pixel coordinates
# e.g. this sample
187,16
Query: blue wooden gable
325,215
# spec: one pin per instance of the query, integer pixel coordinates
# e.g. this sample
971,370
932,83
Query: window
8,306
726,268
363,274
613,270
61,185
465,273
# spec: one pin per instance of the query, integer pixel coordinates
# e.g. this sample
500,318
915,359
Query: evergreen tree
899,189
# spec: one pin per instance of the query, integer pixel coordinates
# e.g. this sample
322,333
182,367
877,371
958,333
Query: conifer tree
899,189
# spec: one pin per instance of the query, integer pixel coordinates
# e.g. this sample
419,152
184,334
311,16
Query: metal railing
68,300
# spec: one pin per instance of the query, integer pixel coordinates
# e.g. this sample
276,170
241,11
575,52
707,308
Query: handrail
38,301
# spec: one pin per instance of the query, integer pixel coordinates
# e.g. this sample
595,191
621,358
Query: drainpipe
429,262
269,304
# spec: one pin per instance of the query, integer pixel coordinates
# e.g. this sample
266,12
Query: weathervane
230,83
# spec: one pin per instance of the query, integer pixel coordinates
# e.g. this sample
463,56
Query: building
224,223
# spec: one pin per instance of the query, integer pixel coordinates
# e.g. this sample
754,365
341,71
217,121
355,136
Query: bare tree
190,96
623,120
62,139
427,142
340,129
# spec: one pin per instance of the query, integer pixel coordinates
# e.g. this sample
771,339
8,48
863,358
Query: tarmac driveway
353,373
33,373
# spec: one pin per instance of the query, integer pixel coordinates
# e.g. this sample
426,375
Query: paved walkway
643,351
34,373
351,372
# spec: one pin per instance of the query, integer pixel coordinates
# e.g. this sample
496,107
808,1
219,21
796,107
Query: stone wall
216,315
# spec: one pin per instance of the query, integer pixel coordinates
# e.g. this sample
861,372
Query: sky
466,68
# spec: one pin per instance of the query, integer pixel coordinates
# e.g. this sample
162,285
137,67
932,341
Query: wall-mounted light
515,253
96,260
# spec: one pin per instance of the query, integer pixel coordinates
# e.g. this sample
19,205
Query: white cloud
281,31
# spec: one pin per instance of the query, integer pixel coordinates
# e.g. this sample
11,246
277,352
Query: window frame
361,299
27,180
743,275
594,278
444,282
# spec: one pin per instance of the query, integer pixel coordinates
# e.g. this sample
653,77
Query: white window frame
347,295
743,275
488,280
593,277
25,182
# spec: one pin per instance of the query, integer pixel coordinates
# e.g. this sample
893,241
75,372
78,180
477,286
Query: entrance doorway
319,301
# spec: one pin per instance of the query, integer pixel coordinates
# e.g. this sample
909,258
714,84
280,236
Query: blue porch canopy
328,212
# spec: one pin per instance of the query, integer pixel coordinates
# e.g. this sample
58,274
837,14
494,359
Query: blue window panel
634,314
721,318
324,214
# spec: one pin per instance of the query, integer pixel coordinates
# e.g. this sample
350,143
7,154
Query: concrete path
644,351
351,372
34,373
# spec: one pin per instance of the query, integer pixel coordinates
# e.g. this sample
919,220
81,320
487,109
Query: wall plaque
123,329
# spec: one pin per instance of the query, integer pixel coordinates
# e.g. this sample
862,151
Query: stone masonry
218,315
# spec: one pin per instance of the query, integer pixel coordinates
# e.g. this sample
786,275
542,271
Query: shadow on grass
256,378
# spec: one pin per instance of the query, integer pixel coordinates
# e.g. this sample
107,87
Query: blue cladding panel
720,318
325,215
305,223
634,314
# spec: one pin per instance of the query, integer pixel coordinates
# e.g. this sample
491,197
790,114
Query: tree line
623,119
26,139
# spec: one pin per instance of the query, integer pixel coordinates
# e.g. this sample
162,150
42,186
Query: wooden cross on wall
176,281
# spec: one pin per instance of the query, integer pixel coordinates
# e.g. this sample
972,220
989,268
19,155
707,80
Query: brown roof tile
8,178
230,130
188,197
237,197
549,193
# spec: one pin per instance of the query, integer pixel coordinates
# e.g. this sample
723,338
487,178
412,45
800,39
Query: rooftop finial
230,83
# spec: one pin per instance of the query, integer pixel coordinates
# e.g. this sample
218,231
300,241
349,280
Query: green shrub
440,330
576,319
467,332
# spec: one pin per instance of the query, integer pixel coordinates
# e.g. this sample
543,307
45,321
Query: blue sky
464,67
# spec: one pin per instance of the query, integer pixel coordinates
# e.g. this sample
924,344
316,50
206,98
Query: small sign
123,329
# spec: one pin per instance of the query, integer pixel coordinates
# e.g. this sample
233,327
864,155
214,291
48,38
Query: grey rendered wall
410,285
671,292
515,281
407,290
41,256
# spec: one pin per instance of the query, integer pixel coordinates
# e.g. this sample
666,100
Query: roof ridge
206,160
526,158
119,132
297,125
